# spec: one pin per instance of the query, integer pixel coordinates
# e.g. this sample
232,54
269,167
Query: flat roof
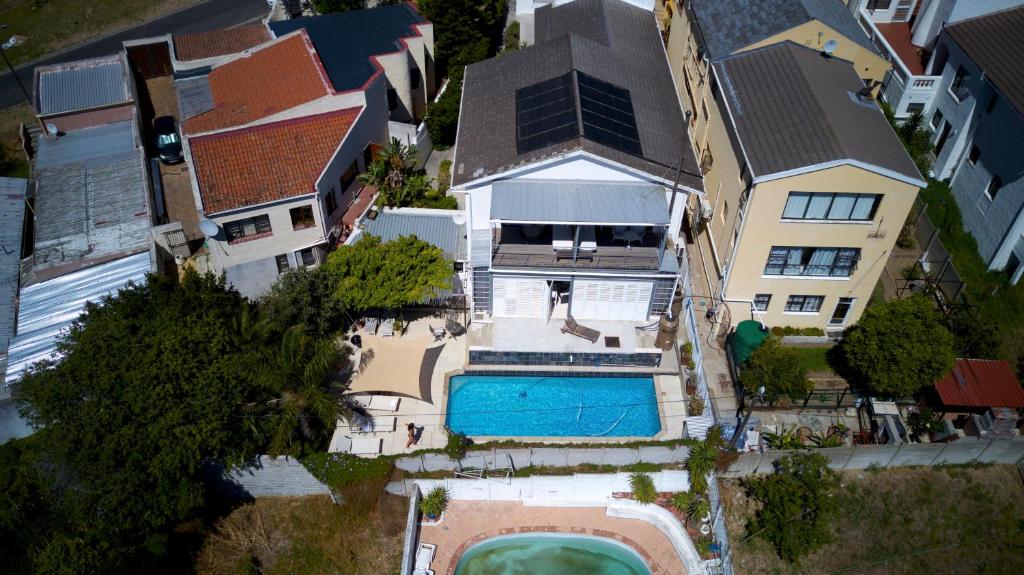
579,202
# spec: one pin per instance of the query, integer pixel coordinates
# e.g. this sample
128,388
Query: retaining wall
412,533
547,457
276,476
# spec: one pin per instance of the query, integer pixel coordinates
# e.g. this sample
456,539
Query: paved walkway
466,523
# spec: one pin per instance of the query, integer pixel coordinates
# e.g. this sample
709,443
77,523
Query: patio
532,334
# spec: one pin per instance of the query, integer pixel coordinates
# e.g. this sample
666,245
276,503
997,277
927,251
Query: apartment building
978,118
566,155
807,188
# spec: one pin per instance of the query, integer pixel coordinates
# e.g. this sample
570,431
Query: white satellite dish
209,227
830,48
51,129
459,218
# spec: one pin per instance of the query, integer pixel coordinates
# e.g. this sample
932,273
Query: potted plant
643,488
434,503
695,406
686,356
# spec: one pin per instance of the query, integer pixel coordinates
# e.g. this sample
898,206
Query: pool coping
574,533
561,439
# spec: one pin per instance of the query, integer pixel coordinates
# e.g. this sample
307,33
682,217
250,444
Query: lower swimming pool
550,555
567,406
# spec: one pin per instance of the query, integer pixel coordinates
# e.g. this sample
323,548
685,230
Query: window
282,263
991,103
349,176
305,257
367,157
414,78
804,303
936,120
830,262
761,301
392,99
249,228
879,4
835,207
915,108
973,155
958,89
302,217
332,202
993,187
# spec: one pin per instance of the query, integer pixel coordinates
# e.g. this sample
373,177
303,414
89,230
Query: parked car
168,141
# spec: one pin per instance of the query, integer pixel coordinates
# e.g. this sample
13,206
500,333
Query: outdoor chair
383,403
371,325
572,328
437,332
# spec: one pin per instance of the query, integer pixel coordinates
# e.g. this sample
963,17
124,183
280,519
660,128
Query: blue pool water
532,406
550,555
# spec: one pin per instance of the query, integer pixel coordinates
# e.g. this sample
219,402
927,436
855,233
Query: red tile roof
981,383
273,79
219,42
269,162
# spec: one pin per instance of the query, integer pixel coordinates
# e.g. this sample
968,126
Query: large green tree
777,369
797,504
304,296
148,386
898,347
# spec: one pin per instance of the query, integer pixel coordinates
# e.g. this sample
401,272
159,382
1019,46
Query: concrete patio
529,334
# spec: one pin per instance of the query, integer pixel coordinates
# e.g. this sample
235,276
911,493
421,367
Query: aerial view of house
497,287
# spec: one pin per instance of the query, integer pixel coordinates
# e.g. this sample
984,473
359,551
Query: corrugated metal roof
194,96
81,85
47,309
481,252
435,227
579,202
90,197
12,216
981,383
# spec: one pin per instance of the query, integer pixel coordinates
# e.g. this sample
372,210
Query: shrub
695,406
925,421
455,449
444,176
511,39
303,296
776,369
339,470
434,502
643,488
699,464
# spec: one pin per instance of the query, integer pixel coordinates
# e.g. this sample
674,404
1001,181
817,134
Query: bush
434,502
444,176
777,370
442,117
643,488
455,449
780,331
797,504
303,296
511,39
925,422
339,470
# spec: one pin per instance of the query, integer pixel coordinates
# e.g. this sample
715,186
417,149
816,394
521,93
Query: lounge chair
383,403
572,328
357,445
424,557
371,325
387,326
371,425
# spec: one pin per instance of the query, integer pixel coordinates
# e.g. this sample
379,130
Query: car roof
165,122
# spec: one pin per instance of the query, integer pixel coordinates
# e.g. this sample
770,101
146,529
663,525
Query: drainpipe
753,310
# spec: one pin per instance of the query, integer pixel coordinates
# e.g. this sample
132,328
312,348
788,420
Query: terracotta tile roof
281,76
981,383
269,162
219,42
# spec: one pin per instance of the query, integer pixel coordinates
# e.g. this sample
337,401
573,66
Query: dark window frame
810,195
993,187
762,301
301,257
973,155
843,263
801,303
348,176
957,88
306,218
282,266
235,229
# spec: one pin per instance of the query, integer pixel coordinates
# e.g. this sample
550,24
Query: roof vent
830,48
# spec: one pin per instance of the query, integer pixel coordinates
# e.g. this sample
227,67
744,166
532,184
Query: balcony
909,84
578,247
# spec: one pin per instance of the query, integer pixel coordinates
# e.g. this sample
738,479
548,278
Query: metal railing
604,257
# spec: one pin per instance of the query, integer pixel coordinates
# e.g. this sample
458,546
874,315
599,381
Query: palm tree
699,464
390,170
301,378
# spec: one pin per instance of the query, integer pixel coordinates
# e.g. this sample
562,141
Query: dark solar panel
545,114
607,112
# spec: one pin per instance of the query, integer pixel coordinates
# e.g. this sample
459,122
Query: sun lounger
572,328
357,445
387,327
370,425
371,324
424,556
383,403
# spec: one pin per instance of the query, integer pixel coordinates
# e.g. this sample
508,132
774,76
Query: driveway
208,15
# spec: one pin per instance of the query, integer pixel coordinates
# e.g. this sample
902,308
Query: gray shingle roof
12,216
81,85
731,25
793,108
437,228
579,202
607,39
995,43
91,201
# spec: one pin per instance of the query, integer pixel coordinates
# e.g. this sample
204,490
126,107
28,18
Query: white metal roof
579,202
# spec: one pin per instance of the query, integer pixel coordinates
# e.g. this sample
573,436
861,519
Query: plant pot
691,389
705,529
706,518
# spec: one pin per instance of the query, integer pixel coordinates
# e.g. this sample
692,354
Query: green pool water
550,555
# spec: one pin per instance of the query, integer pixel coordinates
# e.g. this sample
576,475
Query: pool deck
466,523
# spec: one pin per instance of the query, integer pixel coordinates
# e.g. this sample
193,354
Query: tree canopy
777,369
305,296
401,182
797,504
371,274
898,347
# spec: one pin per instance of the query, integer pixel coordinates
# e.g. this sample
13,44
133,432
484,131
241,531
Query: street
208,15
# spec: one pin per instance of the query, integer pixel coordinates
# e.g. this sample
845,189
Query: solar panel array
607,112
546,114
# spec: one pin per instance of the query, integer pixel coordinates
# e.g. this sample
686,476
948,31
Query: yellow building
807,188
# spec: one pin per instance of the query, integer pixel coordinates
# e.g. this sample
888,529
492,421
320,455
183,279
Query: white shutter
519,297
611,300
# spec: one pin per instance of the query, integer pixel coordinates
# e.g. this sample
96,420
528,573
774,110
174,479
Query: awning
400,365
579,202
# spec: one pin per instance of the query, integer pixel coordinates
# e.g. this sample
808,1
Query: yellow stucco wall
763,228
814,34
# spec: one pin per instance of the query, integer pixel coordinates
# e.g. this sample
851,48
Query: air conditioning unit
706,209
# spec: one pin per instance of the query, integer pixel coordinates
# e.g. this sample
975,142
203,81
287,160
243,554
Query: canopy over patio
400,366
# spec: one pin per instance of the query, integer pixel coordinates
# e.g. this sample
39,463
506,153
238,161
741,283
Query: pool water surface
534,406
550,555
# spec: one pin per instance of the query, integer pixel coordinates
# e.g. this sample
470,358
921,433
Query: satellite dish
459,218
830,48
209,227
51,129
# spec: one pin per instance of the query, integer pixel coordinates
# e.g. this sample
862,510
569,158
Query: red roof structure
981,383
202,45
280,76
269,162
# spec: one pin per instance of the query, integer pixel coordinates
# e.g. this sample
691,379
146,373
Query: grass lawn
50,25
917,520
998,303
812,358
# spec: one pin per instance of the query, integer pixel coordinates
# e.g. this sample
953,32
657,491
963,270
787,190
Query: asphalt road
208,15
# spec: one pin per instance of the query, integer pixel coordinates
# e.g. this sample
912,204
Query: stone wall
546,456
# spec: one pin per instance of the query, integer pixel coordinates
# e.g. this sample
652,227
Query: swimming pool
550,555
536,406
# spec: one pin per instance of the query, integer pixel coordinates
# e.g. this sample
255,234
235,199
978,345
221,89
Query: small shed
981,393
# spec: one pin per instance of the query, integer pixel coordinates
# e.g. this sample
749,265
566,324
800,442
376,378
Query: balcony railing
603,257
